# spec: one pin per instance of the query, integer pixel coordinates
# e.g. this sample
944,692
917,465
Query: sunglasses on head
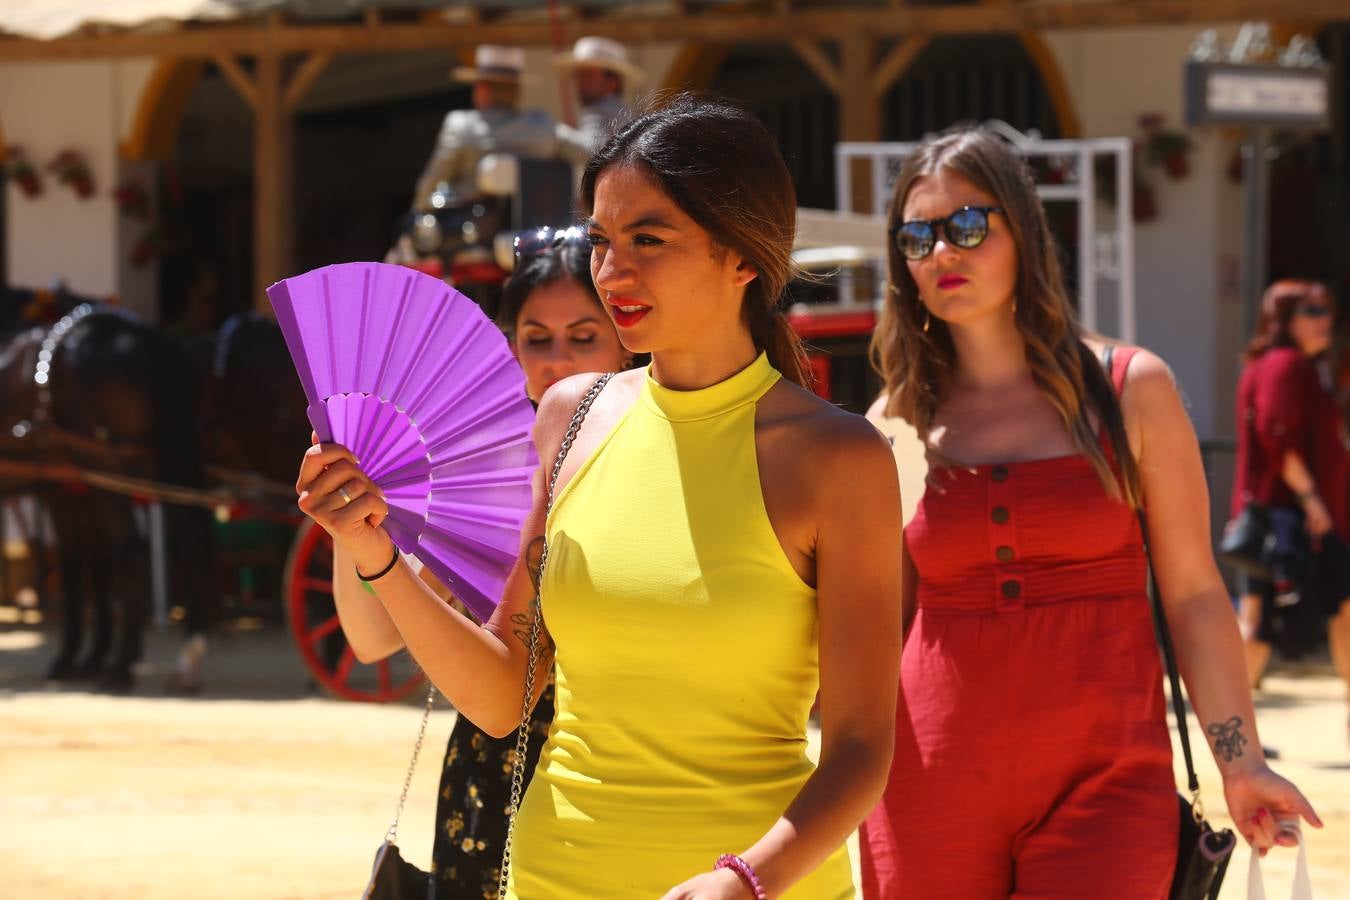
547,239
966,228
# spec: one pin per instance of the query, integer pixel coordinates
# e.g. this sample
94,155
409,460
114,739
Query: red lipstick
947,282
627,312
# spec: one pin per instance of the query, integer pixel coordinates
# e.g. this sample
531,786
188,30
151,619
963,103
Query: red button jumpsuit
1032,757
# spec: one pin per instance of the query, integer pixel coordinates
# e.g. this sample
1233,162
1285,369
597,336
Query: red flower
71,169
18,168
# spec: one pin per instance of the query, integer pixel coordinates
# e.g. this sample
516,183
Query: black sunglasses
547,239
966,228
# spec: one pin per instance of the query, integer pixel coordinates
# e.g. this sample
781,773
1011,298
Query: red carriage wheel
312,617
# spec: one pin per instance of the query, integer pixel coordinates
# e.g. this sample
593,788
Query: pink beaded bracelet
742,868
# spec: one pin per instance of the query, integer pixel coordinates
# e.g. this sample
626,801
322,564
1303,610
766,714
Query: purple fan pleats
412,377
479,573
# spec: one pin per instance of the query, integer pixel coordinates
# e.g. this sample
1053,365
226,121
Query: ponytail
773,333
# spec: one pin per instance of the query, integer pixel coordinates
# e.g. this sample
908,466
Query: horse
104,391
254,406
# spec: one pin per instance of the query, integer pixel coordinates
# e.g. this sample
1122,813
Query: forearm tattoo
1228,738
520,623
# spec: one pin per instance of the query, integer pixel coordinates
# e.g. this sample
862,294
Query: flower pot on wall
72,170
22,172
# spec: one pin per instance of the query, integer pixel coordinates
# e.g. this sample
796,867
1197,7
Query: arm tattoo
1228,738
521,629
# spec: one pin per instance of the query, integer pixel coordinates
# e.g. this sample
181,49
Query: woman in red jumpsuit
1032,756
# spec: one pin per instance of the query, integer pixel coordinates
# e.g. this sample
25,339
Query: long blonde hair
917,366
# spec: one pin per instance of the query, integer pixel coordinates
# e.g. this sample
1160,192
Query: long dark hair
721,166
1278,305
917,366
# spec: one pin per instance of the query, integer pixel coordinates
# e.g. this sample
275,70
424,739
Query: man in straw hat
600,73
496,124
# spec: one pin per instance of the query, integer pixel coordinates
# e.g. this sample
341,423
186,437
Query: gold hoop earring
927,319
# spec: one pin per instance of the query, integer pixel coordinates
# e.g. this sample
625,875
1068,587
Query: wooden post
273,187
859,110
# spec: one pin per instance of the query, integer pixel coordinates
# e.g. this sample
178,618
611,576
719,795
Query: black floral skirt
471,808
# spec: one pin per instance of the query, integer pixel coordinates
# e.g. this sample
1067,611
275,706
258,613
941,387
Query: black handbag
392,877
1203,854
1246,542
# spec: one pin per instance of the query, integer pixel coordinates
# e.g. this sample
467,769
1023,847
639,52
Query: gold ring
346,497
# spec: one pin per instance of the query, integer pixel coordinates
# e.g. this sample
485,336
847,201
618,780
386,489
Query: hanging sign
1221,93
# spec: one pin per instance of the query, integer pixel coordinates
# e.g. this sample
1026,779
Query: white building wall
1185,259
87,107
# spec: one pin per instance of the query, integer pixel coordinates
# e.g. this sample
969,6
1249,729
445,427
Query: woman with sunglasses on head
721,543
556,327
1032,755
1292,460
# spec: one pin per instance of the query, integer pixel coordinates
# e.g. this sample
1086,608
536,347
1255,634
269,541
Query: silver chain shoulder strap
523,731
392,835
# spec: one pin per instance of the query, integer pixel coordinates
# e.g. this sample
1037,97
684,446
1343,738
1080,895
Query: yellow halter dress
687,660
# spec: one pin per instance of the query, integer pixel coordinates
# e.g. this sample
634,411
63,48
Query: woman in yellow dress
721,543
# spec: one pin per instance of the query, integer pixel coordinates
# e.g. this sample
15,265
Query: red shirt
1282,405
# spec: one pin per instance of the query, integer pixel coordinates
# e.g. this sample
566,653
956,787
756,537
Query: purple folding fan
410,375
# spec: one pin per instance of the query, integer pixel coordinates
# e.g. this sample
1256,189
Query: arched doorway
976,78
205,210
1010,77
361,136
771,81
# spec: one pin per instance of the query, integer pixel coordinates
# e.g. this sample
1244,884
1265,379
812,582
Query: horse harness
51,437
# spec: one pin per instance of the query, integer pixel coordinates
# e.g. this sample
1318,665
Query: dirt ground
261,788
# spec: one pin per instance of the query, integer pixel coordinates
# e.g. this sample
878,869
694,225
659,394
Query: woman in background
1293,461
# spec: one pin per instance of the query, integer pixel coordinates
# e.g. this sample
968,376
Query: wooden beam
204,41
304,78
820,65
894,64
236,76
859,111
273,186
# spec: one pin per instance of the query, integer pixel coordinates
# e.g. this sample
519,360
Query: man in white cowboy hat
600,73
496,124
